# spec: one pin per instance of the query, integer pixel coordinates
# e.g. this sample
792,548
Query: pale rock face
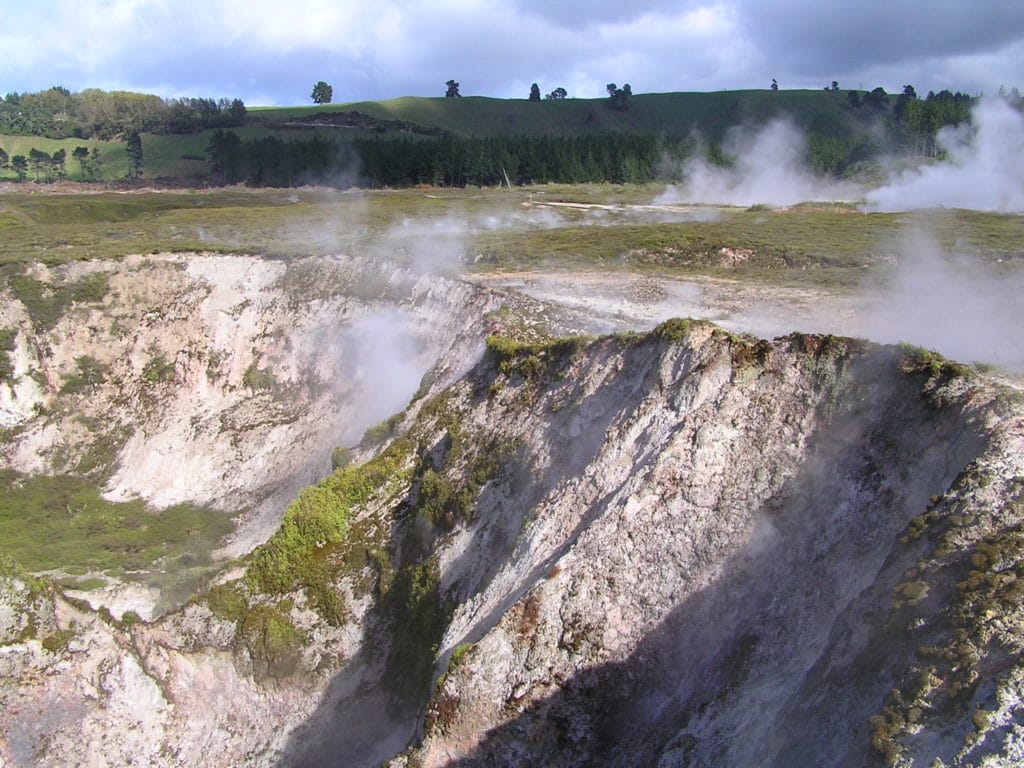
697,549
696,590
208,435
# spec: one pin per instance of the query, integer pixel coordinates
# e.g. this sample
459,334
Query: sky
269,52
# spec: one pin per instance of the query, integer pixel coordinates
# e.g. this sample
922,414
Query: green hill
823,115
657,114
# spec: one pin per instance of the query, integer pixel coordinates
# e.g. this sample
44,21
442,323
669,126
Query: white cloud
398,47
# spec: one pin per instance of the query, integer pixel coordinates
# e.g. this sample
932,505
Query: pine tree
133,145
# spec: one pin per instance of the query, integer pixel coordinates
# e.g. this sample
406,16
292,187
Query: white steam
379,358
958,306
768,168
984,169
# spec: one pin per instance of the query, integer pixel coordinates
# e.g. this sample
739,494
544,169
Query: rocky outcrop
679,548
220,380
710,556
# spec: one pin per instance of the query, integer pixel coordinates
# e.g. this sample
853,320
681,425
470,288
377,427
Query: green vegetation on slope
46,303
63,523
299,553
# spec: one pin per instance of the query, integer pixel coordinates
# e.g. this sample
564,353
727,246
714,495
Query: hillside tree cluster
52,166
913,122
57,113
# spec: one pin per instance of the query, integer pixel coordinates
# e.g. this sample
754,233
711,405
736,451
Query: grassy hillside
649,113
183,156
112,154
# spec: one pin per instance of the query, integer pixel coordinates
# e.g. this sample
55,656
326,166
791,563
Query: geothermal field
724,471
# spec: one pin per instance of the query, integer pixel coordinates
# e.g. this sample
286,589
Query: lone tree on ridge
322,93
619,96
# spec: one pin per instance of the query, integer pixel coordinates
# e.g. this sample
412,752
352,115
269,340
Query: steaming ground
958,306
767,168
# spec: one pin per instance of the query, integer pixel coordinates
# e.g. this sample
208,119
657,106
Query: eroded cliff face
707,561
678,548
221,380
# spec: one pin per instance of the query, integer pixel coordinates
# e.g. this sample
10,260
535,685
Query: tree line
273,162
447,161
52,166
452,161
57,113
914,122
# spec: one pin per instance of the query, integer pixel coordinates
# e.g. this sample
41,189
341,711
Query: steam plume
953,305
984,169
768,168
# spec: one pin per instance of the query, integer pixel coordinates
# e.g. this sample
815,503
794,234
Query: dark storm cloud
269,51
816,37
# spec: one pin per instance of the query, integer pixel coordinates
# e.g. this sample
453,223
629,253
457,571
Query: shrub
58,641
90,373
674,330
46,303
90,289
256,379
919,360
420,619
442,502
531,360
340,457
158,370
8,337
274,643
380,432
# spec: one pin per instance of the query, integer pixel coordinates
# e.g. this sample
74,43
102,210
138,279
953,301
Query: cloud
266,48
813,37
984,170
